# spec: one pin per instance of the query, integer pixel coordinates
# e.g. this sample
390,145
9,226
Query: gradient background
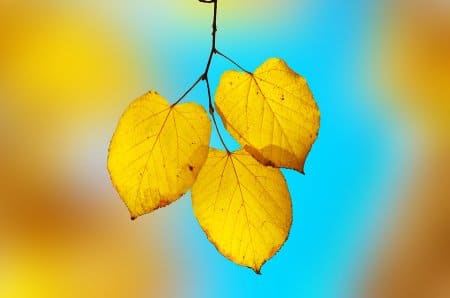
380,72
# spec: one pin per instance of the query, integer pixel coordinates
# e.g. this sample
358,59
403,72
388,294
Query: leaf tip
301,168
133,214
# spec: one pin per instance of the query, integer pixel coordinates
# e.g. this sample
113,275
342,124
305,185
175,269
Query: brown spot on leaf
163,203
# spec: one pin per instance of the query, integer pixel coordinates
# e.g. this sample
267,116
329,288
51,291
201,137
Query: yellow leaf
271,113
243,207
157,151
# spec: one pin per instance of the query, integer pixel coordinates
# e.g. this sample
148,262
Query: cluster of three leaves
241,200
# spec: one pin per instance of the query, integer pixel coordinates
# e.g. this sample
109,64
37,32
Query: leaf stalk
205,75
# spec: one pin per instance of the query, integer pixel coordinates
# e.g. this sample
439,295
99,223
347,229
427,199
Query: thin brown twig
213,116
232,61
188,91
205,74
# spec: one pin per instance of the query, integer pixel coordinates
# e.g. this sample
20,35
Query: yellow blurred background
64,70
412,63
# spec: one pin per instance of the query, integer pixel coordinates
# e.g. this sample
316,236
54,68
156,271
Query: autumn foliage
160,151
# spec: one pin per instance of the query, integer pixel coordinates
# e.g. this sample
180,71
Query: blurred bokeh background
371,217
